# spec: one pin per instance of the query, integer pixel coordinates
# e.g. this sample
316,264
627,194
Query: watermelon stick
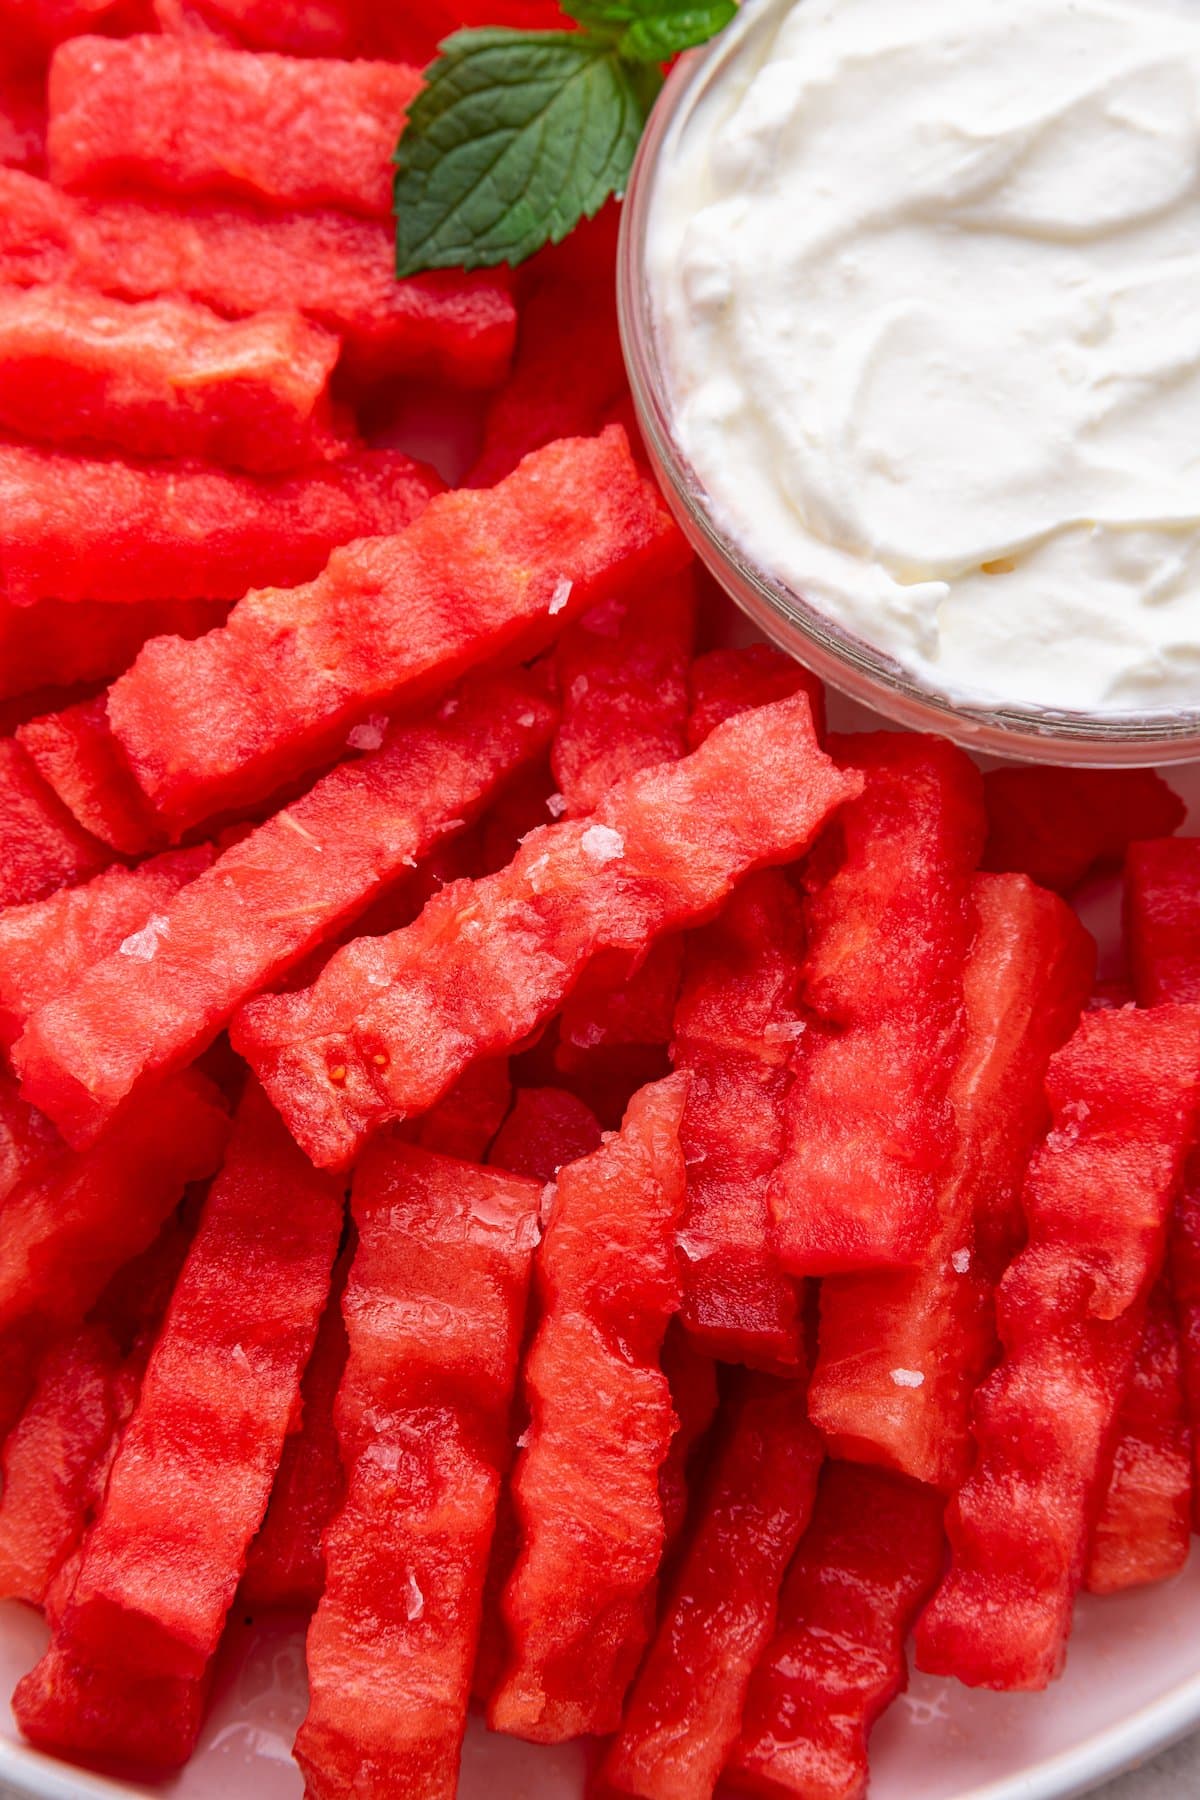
586,1483
58,643
1071,1311
1144,1528
623,678
546,1128
871,1555
193,1470
285,1566
47,946
902,1351
736,1028
100,528
75,1219
869,1129
27,1139
622,671
434,1309
271,898
75,753
55,1460
185,116
42,848
225,720
167,378
391,1022
685,1709
1162,927
726,682
1059,825
338,270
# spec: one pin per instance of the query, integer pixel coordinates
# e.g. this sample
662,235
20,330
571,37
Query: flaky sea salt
784,1031
908,1378
602,844
368,735
534,872
142,945
561,594
961,1261
556,805
414,1599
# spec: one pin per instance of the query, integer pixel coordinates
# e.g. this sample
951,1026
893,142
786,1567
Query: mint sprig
518,135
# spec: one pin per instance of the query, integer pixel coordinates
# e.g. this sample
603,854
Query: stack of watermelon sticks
513,1142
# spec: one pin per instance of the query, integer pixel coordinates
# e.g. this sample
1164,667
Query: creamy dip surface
925,279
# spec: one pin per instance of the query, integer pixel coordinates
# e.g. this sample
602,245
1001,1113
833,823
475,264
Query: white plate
1132,1684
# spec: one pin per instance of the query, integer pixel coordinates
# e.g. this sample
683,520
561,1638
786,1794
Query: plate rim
1154,1727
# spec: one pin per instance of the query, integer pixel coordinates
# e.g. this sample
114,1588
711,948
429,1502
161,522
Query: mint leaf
653,30
515,137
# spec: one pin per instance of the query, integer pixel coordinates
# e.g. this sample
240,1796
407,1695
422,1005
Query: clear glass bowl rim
1027,733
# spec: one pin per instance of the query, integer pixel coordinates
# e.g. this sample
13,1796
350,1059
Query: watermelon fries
625,1214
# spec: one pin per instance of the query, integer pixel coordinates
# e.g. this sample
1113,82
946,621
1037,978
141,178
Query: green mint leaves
653,30
518,135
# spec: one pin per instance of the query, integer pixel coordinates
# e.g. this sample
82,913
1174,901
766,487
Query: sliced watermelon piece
391,1022
1071,1312
871,1555
869,1128
27,1138
585,1484
464,1123
22,119
54,1461
274,896
41,847
622,671
49,945
685,1709
434,1307
193,1471
546,1128
186,117
167,378
1162,919
299,27
567,374
70,1707
902,1352
285,1566
1144,1529
736,1029
73,1221
726,682
338,270
221,722
615,1006
92,528
35,26
75,753
1059,825
55,645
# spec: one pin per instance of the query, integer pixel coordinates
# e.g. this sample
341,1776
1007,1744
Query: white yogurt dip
925,281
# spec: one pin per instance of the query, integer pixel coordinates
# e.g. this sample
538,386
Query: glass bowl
1028,733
